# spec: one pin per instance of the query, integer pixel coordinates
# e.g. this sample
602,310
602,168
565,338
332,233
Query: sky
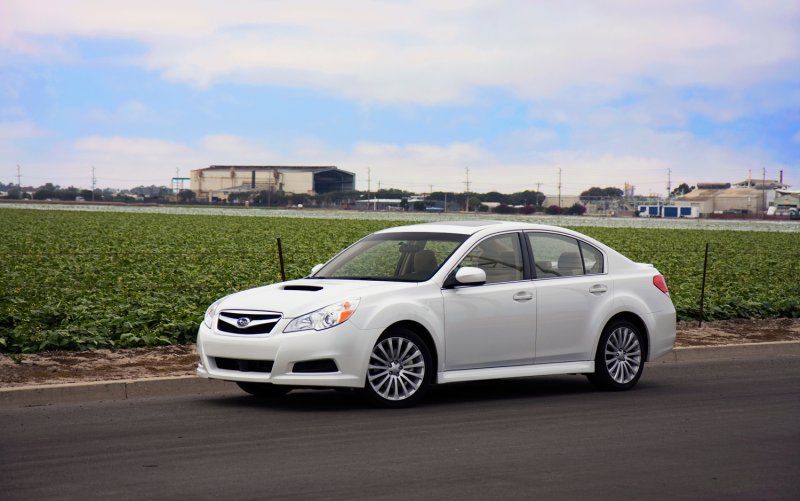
416,95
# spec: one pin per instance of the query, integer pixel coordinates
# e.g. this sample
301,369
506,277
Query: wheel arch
420,330
639,323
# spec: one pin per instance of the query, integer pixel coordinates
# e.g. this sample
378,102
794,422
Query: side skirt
516,371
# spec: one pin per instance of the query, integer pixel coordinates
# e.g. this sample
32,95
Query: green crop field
81,280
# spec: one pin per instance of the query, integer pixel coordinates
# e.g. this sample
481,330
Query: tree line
524,202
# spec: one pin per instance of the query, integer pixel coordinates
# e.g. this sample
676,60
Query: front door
494,324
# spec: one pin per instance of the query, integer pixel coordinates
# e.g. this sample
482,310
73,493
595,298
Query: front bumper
345,344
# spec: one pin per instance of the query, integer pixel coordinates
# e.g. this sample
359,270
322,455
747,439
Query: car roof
470,227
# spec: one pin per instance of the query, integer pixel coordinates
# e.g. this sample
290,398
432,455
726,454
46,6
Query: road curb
96,391
730,352
30,396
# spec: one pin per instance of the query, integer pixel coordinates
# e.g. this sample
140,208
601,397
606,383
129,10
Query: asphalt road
714,430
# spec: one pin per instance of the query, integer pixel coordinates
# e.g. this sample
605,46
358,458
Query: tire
264,390
399,371
619,361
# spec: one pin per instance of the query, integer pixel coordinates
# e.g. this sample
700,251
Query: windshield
401,257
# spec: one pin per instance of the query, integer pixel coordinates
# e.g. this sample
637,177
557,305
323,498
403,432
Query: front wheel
399,370
619,362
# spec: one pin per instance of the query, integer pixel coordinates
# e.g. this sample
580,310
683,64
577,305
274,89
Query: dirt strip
137,363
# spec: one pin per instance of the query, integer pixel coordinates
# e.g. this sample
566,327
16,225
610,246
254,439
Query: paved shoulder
191,385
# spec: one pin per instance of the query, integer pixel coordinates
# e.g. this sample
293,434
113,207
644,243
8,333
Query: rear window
557,255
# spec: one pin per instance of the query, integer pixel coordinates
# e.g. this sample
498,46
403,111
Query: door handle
523,296
598,289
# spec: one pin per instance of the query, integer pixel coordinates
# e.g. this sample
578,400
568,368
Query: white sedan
436,303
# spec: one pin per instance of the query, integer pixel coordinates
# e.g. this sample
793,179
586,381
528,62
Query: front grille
247,322
235,364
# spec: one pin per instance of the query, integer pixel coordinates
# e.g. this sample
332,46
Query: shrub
504,209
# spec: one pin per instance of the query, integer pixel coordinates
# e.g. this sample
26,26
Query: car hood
298,297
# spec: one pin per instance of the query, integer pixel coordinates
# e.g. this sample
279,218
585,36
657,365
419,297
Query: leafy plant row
83,280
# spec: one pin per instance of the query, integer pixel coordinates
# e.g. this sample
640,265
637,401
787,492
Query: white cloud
125,162
12,131
431,52
590,163
132,110
595,160
12,135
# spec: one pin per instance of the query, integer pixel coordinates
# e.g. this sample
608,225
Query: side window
592,258
556,255
500,257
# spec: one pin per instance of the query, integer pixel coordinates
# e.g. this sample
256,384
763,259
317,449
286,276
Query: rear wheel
399,370
264,390
619,362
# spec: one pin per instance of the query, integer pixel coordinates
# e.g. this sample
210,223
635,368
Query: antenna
94,182
19,177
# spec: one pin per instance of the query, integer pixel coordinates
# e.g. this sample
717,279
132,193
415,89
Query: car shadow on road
306,400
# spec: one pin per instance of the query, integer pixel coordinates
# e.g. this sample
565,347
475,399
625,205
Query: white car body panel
473,339
570,317
475,332
517,371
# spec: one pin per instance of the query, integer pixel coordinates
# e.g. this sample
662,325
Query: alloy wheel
396,368
623,355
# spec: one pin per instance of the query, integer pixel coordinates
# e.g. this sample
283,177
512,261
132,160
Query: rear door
573,292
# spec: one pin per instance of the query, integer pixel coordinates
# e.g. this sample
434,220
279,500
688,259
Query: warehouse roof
282,168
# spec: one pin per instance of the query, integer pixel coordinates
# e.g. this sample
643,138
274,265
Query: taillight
660,283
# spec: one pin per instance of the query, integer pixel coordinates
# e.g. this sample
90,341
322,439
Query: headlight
324,318
211,311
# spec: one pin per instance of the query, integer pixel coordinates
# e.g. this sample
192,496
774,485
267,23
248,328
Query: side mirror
467,275
471,276
315,269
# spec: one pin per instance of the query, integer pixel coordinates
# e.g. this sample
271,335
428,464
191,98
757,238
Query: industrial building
786,200
746,197
220,182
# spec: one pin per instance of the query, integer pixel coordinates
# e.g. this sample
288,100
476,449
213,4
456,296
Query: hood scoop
307,288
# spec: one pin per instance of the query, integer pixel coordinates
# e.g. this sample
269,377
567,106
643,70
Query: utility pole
94,182
467,183
538,185
764,186
669,183
369,181
19,178
376,195
559,187
445,201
